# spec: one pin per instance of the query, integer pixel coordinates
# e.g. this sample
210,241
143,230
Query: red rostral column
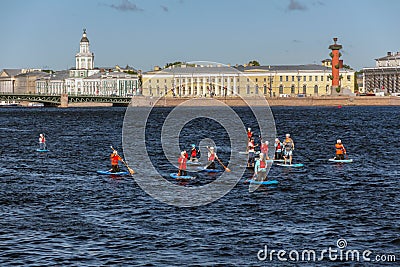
335,55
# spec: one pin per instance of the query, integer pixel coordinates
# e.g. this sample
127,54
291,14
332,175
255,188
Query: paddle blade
131,171
227,169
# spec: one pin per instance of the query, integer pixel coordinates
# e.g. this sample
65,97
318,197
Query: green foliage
254,63
130,72
172,64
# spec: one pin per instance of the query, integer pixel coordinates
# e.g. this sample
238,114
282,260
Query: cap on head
287,135
115,152
266,142
211,148
261,155
183,153
276,139
193,145
40,134
339,141
248,129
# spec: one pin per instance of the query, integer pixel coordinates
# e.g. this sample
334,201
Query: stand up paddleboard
341,160
193,162
42,150
271,182
246,153
297,165
113,173
209,170
183,177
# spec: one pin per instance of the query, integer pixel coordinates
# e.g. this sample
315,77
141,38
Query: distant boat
35,105
8,104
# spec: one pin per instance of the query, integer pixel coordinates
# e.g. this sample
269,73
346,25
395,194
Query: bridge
64,100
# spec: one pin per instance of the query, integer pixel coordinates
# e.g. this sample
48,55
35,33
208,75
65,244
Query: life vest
211,157
278,147
182,163
194,152
288,144
264,148
42,140
115,159
340,149
249,134
262,164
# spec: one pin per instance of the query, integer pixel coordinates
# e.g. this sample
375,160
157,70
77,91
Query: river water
56,211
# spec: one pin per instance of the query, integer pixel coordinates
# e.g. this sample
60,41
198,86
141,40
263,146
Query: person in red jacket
182,164
42,142
115,158
340,150
193,154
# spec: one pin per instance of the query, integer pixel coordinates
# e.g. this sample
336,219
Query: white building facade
86,80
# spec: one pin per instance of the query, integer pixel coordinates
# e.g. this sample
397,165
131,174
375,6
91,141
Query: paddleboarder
278,149
249,134
42,142
115,158
260,168
251,156
288,145
212,155
193,153
340,150
264,149
182,164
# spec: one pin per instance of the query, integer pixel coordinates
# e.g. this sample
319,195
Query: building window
265,79
281,89
256,79
322,78
316,89
265,88
248,89
310,78
287,78
292,89
292,78
316,78
280,78
256,89
305,88
304,78
348,78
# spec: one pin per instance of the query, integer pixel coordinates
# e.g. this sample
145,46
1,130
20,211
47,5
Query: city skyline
45,34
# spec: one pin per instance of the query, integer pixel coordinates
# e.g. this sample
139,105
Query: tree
254,63
172,64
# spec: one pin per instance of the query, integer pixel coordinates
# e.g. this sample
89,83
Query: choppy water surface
55,209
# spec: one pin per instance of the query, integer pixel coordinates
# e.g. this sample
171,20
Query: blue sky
144,33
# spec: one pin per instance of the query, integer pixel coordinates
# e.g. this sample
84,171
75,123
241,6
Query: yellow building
246,81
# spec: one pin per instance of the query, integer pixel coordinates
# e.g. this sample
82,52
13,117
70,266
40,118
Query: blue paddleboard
176,176
341,160
297,165
209,170
271,182
113,173
42,150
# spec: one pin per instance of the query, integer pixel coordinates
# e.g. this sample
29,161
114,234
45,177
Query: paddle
131,171
226,168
